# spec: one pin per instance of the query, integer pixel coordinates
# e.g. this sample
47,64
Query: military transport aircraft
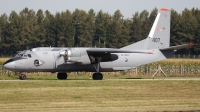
74,59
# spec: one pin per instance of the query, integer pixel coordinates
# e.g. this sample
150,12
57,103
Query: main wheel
97,76
62,76
22,77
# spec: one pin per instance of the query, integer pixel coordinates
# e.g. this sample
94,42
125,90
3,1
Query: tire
97,76
22,77
100,76
94,76
62,76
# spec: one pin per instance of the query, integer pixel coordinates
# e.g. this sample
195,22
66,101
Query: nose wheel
22,77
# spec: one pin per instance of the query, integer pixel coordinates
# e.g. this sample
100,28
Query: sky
126,7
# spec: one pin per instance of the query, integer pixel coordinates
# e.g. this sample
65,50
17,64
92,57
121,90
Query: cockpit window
19,55
23,55
29,55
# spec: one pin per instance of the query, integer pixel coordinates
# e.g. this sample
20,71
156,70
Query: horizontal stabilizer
178,47
110,50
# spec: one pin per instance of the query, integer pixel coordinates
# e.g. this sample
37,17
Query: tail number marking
156,40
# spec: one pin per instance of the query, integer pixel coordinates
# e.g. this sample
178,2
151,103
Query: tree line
29,29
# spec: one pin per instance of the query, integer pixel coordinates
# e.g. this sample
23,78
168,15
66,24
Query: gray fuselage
46,59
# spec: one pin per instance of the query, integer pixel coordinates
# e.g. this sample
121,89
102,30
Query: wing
110,50
106,54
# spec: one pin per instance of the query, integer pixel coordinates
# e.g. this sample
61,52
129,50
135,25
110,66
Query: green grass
43,92
106,95
3,59
71,76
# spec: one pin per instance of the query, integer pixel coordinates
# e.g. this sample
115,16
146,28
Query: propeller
65,54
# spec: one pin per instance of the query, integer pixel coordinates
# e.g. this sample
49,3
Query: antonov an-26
74,59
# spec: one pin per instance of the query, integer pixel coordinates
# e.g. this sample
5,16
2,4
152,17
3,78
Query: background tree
11,34
3,28
196,13
28,29
136,28
115,31
102,24
188,25
146,24
80,23
40,30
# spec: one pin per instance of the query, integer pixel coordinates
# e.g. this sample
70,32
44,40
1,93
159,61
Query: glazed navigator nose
9,65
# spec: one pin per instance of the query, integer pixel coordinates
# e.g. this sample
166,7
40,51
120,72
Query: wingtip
190,44
164,9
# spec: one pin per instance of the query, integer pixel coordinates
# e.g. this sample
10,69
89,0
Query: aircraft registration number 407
156,39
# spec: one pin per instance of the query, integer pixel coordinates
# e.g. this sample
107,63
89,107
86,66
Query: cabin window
29,55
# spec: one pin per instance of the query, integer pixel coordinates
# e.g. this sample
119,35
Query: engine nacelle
73,59
78,55
66,53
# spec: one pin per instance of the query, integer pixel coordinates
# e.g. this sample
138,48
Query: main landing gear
97,75
62,76
22,76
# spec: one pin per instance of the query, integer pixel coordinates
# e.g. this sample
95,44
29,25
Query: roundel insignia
38,62
159,29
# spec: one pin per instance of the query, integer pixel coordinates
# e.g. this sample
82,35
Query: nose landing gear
22,76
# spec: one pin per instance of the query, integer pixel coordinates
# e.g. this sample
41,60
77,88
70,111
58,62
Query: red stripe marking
190,44
164,9
150,52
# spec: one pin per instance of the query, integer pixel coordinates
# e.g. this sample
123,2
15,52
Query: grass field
2,60
105,95
43,92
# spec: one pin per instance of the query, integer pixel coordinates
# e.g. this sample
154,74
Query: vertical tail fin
159,35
